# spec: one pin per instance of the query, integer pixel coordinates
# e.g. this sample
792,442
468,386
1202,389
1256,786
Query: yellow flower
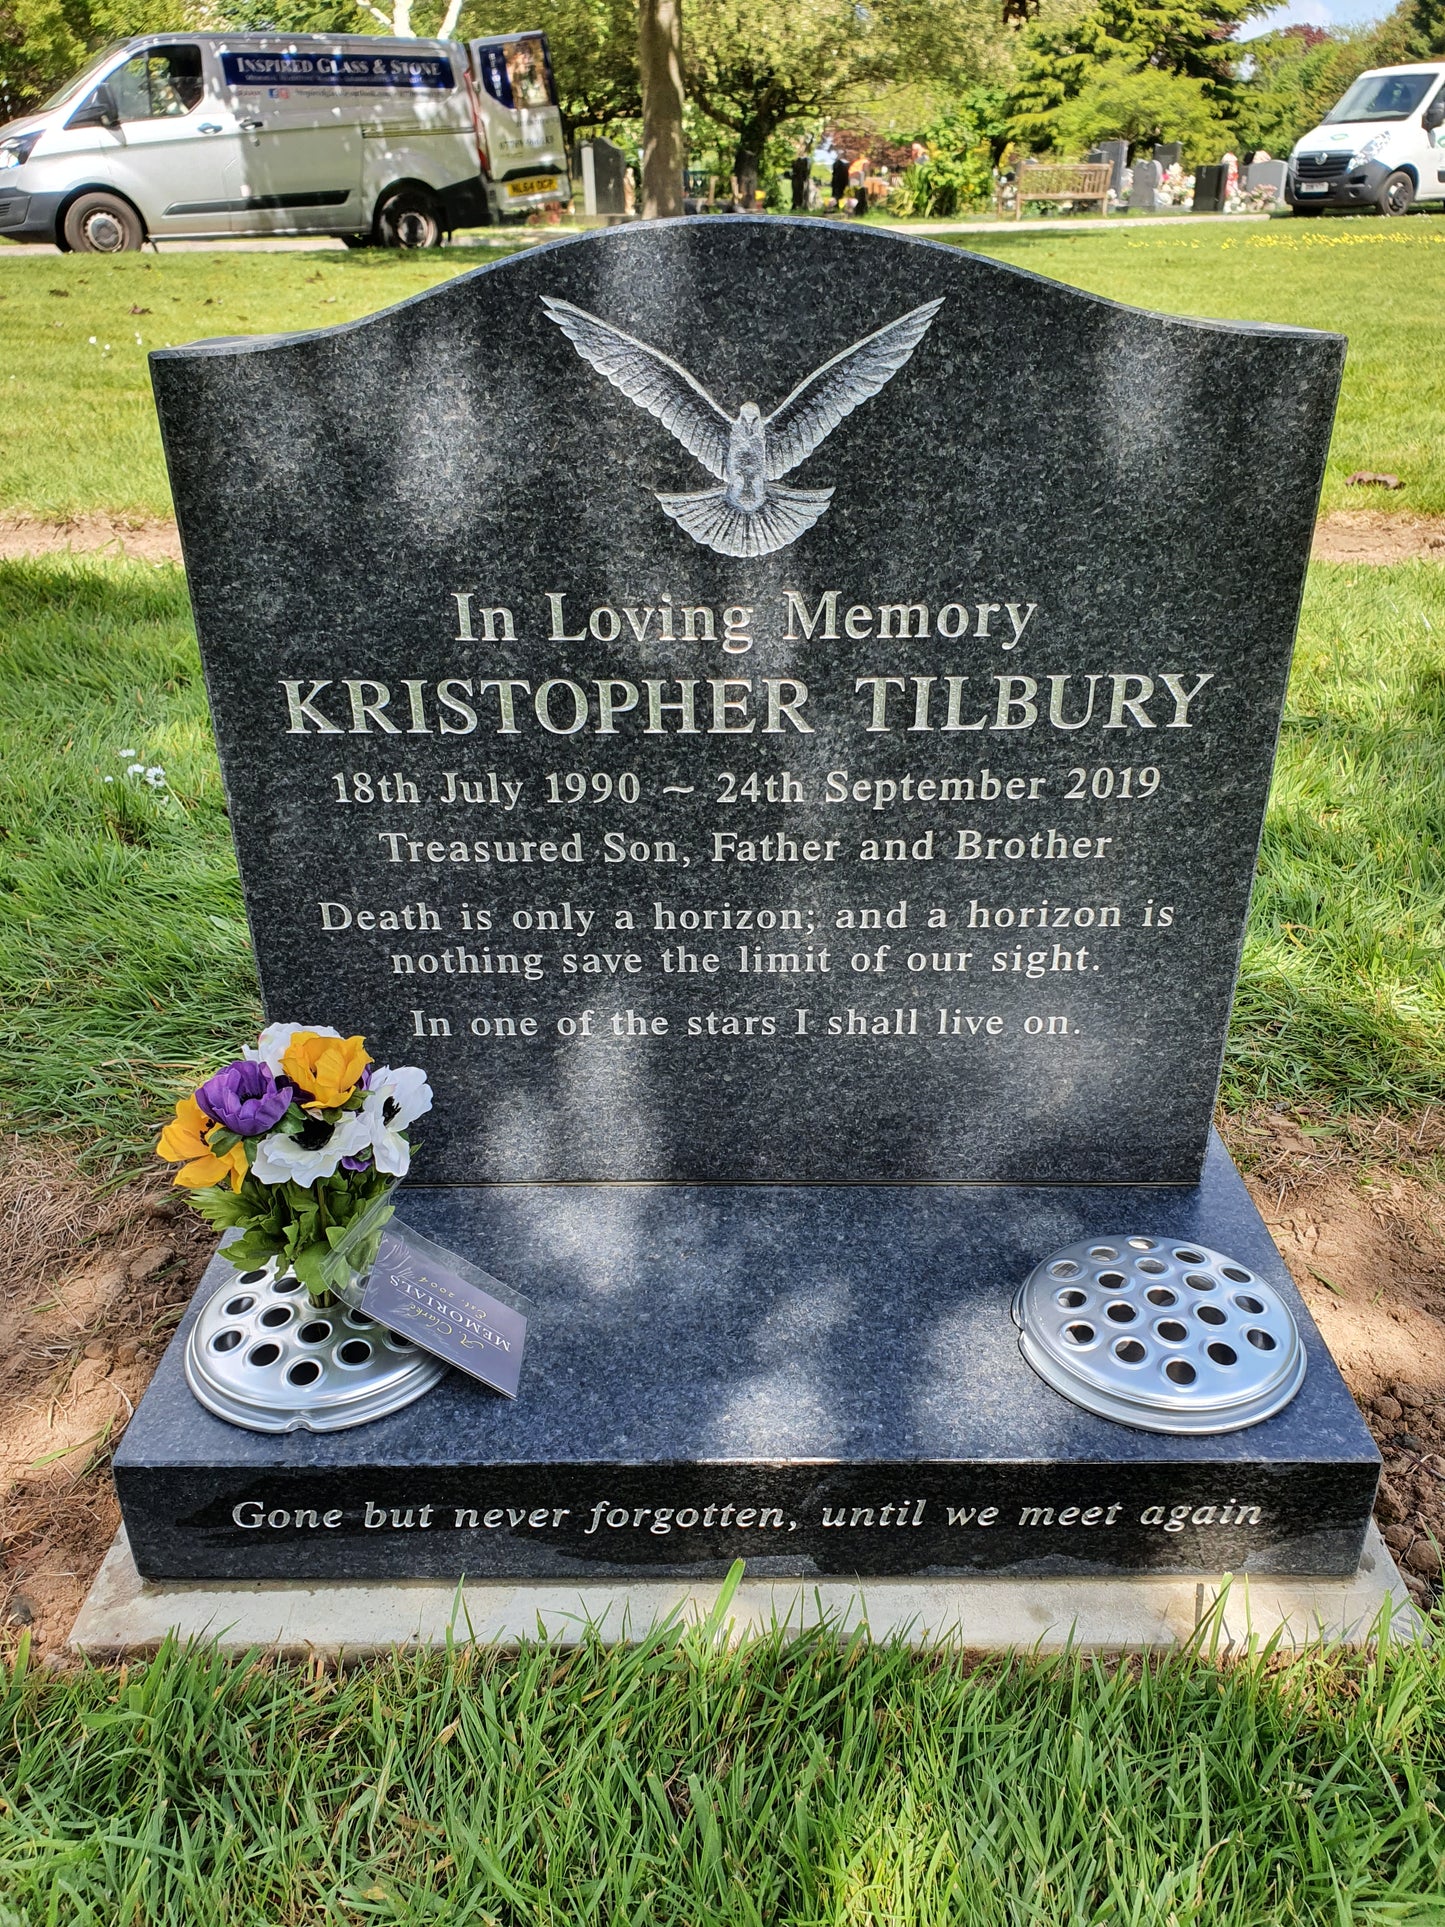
186,1141
326,1067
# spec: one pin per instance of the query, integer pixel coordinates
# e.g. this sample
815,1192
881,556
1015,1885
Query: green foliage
302,1225
1067,51
753,66
1141,105
693,1780
594,53
43,43
1294,79
962,148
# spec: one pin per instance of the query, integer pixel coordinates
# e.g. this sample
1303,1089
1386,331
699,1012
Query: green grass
124,954
125,963
1378,282
788,1784
77,425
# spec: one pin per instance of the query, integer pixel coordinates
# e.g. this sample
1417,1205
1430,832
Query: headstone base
123,1615
822,1380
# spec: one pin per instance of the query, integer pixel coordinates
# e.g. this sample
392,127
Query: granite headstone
1145,187
834,785
706,693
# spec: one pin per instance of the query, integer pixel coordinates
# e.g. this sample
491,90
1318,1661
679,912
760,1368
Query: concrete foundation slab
124,1615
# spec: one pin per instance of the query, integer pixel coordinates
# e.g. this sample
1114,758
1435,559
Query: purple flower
245,1098
363,1163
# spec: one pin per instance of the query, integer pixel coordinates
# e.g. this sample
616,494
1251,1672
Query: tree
43,43
594,53
759,67
1142,105
1063,53
754,65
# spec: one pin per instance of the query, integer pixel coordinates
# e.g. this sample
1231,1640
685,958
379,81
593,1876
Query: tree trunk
659,46
747,158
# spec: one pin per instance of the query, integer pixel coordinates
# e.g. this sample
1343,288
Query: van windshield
83,79
1383,97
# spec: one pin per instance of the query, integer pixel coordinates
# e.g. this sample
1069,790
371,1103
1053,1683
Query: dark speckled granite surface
794,1348
1014,941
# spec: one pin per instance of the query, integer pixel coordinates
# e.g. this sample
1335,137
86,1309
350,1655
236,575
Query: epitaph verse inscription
896,821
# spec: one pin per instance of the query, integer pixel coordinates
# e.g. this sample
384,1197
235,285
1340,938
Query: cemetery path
1347,535
96,1282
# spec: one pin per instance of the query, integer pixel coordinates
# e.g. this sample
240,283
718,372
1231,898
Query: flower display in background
292,1144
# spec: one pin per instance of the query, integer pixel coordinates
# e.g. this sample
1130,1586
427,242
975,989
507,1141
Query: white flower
279,1158
394,1100
271,1046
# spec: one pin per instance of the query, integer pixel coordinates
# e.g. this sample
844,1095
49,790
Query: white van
1380,147
388,143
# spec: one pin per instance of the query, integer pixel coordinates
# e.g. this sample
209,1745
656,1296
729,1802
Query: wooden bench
1053,181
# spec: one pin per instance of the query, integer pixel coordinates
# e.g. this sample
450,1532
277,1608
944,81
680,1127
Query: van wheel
409,218
103,224
1397,195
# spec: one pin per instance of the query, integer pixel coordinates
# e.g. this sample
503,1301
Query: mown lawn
812,1783
77,426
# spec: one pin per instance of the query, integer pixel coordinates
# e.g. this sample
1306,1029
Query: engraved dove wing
654,381
817,405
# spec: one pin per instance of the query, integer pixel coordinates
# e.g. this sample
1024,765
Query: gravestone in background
1116,153
1145,187
1270,174
1210,184
705,693
603,168
1168,153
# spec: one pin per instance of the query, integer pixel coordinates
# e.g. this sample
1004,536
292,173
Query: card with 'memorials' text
449,1307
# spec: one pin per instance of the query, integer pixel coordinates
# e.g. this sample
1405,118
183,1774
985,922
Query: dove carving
754,512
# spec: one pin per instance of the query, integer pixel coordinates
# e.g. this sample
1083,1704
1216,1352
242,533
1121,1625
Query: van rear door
301,151
176,151
521,120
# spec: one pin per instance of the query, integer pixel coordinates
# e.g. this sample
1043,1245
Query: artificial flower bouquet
294,1144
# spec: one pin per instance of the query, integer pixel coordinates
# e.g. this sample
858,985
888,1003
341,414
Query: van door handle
251,126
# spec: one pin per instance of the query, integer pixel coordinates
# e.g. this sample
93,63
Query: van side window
161,83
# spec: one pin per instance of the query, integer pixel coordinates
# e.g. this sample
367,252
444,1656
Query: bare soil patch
94,1282
1376,535
140,539
1358,1211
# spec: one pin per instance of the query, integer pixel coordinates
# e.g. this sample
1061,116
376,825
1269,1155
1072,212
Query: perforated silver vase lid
1160,1334
261,1356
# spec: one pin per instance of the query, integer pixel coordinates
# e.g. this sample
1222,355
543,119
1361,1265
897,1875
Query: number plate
1312,187
538,184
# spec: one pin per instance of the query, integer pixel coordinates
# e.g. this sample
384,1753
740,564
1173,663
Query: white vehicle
389,143
1380,147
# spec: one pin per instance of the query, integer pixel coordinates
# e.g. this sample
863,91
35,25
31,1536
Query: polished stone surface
792,1354
880,905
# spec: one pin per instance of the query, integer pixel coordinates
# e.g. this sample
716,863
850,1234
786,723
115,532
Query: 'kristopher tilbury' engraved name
944,702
